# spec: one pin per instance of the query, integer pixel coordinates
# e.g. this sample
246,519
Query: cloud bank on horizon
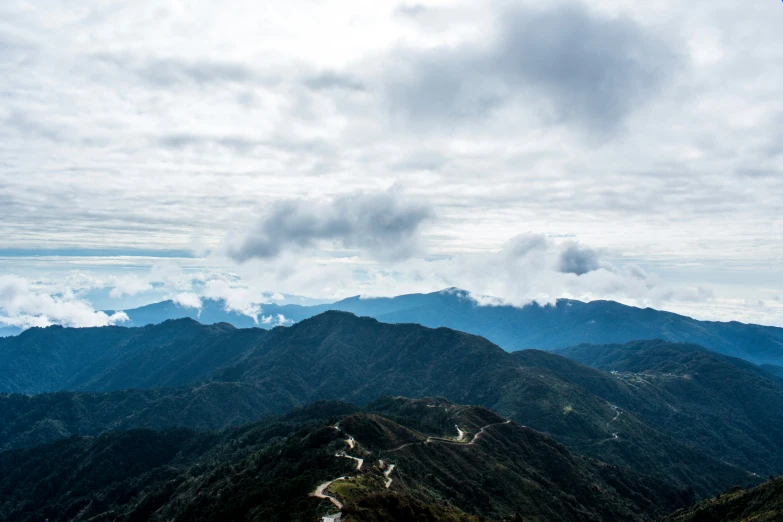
604,150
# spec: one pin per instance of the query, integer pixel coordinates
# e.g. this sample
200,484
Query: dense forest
687,431
269,470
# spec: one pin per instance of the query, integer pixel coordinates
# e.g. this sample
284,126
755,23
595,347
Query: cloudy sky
526,150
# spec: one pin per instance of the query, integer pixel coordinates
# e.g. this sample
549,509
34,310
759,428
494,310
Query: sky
254,151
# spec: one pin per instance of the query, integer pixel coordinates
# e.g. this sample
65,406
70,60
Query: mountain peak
456,292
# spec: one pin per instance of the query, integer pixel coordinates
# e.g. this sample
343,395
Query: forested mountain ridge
26,421
729,408
764,503
339,356
109,358
560,325
272,469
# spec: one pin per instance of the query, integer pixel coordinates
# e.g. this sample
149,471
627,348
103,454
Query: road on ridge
319,493
449,441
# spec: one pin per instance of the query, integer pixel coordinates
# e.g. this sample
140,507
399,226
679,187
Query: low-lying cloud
26,303
383,225
533,267
24,306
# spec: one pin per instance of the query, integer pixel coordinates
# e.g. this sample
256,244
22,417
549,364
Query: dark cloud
384,225
573,64
434,88
575,259
593,68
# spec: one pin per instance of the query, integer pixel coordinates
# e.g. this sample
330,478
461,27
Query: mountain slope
26,421
777,371
728,407
270,470
570,322
110,358
763,503
564,324
261,471
339,356
498,466
336,355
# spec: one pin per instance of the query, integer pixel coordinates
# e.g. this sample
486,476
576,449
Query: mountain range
422,460
549,327
680,425
8,331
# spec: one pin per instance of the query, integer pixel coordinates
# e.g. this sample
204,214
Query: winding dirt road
387,473
319,493
617,412
359,462
450,441
320,490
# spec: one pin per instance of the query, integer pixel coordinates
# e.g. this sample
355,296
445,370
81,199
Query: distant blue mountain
211,312
566,323
8,331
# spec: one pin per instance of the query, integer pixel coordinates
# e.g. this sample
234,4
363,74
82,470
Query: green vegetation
241,375
730,409
397,507
267,471
565,323
262,471
109,358
777,371
510,469
763,503
26,421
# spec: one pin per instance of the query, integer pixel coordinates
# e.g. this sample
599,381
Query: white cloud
188,300
110,144
531,267
128,285
237,296
22,305
276,320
